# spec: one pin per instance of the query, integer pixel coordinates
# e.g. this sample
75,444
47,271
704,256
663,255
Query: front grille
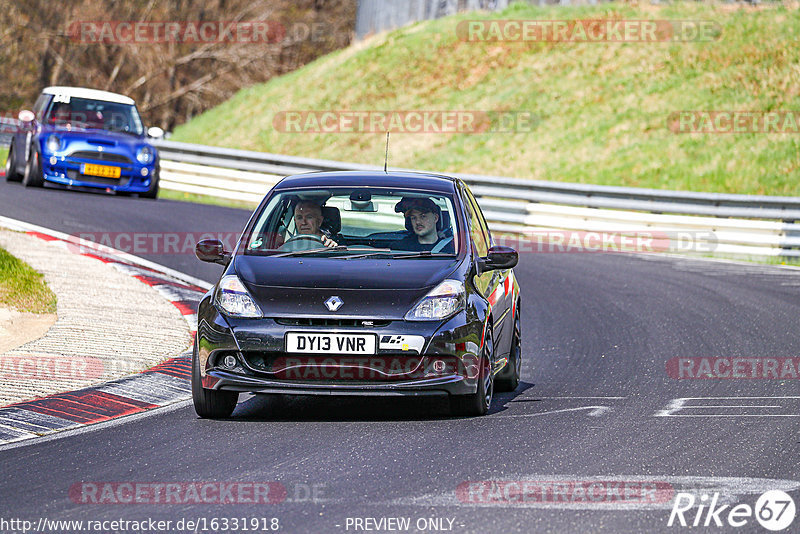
360,323
75,175
100,156
315,367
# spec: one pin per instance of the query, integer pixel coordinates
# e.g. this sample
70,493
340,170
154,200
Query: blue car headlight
53,143
145,155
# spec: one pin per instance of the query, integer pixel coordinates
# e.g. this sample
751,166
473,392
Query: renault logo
334,303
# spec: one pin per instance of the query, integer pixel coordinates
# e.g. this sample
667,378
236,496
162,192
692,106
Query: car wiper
368,254
338,248
128,132
398,254
421,254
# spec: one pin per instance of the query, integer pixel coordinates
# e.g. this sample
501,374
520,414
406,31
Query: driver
308,219
423,215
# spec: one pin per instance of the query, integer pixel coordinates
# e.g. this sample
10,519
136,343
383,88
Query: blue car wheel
33,171
11,166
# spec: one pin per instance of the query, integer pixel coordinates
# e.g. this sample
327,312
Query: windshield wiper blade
128,132
421,254
369,253
394,254
338,248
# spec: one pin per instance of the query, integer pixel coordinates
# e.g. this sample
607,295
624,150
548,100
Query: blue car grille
100,156
75,175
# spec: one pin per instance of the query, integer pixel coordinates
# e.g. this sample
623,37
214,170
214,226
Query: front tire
478,403
210,403
152,192
11,166
33,172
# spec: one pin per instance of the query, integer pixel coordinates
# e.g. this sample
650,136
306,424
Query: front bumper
438,386
134,177
444,364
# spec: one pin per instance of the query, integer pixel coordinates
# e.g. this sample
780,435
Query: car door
487,282
500,296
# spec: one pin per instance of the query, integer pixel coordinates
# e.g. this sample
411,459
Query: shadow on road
289,408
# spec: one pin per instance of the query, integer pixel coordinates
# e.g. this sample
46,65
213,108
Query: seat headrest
331,219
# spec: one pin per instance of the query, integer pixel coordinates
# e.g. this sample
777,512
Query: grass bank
601,109
22,288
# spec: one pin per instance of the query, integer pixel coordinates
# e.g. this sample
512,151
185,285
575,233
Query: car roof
93,94
391,179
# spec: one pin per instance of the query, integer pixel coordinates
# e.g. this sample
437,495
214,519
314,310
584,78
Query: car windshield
98,114
353,223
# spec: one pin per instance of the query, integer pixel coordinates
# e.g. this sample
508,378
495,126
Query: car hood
100,138
298,287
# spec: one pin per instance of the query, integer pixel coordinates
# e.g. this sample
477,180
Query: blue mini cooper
84,138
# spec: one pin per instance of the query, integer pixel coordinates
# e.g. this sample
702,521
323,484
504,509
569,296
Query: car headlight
53,143
145,155
443,300
234,299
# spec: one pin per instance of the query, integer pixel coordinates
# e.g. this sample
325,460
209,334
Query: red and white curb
166,383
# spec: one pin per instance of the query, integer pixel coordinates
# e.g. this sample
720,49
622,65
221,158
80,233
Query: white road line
596,412
731,489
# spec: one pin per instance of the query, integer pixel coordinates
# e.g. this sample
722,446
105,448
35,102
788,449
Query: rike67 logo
774,510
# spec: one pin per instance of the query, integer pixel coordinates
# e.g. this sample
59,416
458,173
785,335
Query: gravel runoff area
109,324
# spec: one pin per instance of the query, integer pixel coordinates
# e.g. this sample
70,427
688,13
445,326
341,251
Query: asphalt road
596,406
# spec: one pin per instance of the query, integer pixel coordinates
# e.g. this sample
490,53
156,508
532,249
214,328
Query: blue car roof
391,179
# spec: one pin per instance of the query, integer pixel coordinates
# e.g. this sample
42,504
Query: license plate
322,343
104,171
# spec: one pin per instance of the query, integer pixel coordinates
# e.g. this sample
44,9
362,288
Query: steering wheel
301,242
303,236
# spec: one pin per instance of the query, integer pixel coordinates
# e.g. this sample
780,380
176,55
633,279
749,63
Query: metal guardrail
7,129
718,224
713,224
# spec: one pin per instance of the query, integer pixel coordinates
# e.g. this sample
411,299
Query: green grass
22,288
3,155
602,108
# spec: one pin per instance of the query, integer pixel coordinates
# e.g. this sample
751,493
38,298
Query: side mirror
26,116
155,132
499,257
212,251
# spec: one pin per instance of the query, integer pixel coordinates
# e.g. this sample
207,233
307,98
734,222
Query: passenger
308,220
423,216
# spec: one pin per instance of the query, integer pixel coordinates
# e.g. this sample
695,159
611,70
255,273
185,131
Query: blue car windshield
95,114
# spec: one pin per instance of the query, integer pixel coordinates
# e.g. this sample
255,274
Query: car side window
40,106
481,219
475,231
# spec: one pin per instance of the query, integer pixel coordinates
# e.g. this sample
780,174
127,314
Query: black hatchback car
360,283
